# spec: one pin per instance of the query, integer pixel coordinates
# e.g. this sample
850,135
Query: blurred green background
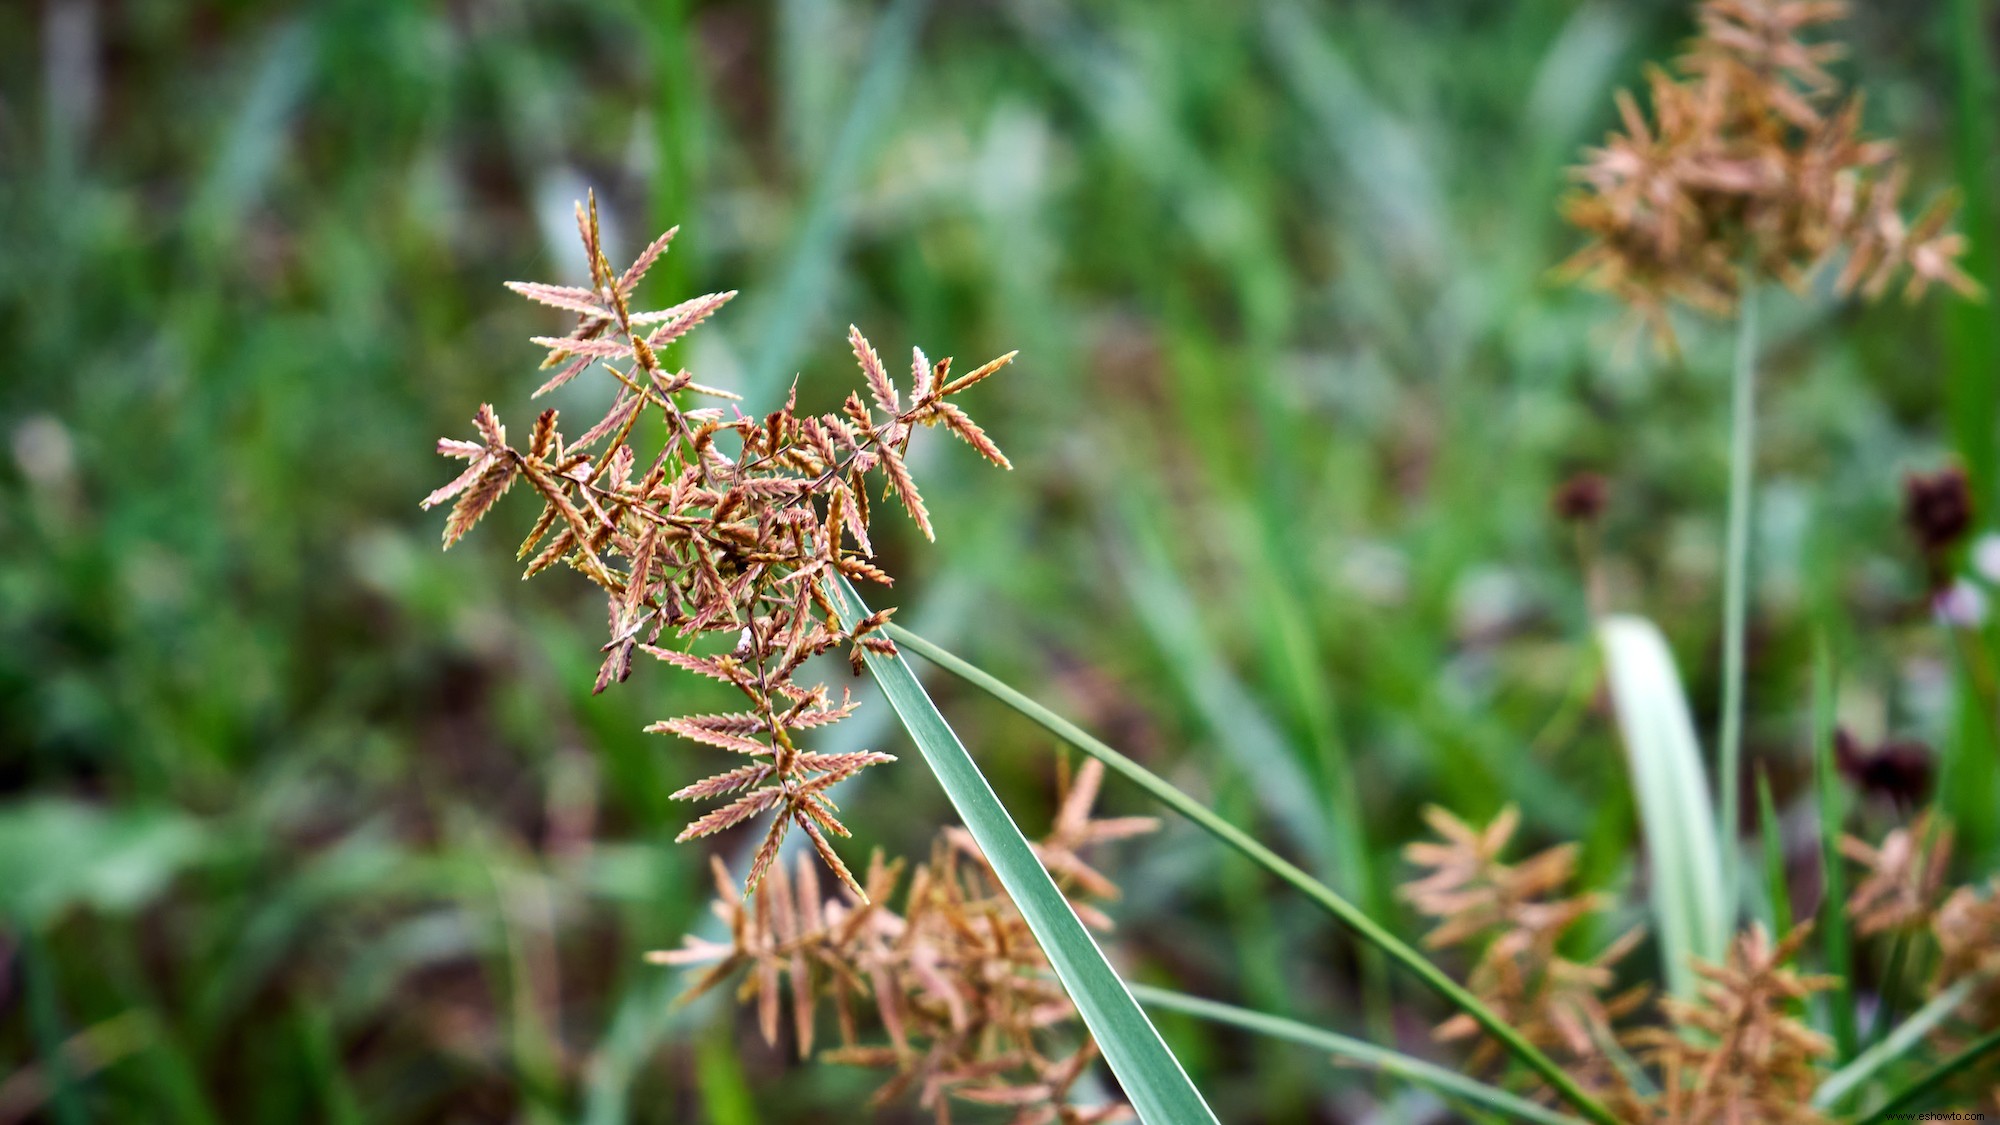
303,820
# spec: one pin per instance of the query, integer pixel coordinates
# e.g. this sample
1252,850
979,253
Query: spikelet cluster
1902,891
1734,1053
962,992
1752,158
1515,916
731,528
1903,877
1739,1055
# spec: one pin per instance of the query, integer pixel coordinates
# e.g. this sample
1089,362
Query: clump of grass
1751,168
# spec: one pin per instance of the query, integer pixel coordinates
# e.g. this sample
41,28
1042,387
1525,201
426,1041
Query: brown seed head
727,532
1937,508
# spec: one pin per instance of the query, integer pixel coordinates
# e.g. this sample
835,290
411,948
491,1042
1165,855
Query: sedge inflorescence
697,540
1737,1051
956,980
1752,160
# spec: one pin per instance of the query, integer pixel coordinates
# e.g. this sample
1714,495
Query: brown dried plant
1737,1052
1967,928
1904,877
1751,159
1517,915
958,982
712,541
1739,1055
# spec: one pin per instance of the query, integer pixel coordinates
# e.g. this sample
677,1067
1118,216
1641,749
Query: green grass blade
1894,1046
1771,834
797,304
1342,910
1736,586
1150,1075
1938,1075
1687,881
1393,1063
1833,932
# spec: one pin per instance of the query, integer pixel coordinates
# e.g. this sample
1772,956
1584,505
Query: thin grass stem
1735,589
1834,937
1319,893
1936,1077
1392,1063
1910,1033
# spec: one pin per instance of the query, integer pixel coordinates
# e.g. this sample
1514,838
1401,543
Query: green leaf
1688,903
1394,1063
1898,1043
1835,938
1323,896
1150,1075
1937,1076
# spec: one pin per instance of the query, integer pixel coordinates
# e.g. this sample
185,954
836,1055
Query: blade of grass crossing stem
1150,1075
1938,1076
1321,895
1393,1063
1911,1033
1674,810
1832,814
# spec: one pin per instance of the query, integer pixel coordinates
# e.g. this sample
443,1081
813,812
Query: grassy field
302,819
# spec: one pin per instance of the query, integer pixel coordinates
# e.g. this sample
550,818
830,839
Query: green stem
1394,1063
1322,895
1893,1046
1938,1076
1736,581
1834,937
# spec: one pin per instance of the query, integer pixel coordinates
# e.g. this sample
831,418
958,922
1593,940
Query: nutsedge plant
1750,168
727,553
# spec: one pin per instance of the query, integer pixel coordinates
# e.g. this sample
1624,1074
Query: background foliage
302,820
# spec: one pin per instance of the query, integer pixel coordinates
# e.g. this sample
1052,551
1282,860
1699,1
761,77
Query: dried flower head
1967,928
697,540
1517,915
1937,509
1751,159
962,990
1581,498
1905,876
1738,1055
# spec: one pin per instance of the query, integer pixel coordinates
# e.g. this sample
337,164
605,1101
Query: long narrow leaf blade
1393,1063
1896,1045
1150,1075
1672,791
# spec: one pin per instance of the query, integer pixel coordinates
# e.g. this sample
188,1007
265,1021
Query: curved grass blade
1689,906
1895,1045
1937,1076
1393,1063
1343,911
1150,1075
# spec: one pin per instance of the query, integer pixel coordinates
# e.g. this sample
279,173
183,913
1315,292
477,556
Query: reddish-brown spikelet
697,539
965,998
1751,160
